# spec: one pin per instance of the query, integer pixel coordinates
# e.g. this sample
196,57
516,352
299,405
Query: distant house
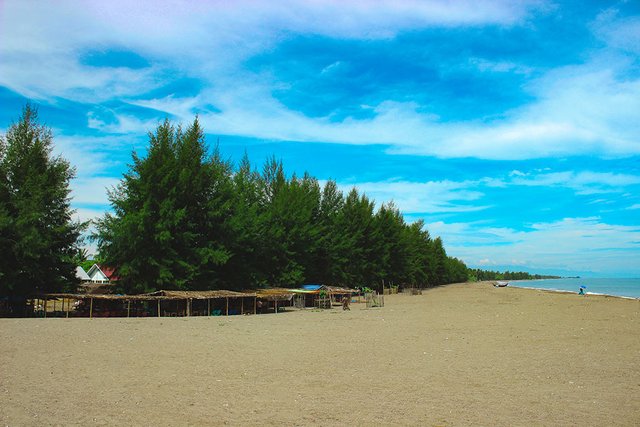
110,273
102,274
82,275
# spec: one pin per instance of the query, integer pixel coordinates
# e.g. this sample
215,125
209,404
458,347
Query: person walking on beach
345,303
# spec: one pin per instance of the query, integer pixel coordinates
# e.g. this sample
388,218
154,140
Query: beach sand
457,355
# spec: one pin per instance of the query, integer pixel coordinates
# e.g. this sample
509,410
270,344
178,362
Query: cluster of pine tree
38,238
186,219
478,274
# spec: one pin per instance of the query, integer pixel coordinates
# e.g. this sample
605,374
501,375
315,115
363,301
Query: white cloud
123,124
93,160
589,108
89,155
499,66
622,33
210,41
464,196
92,191
204,37
419,197
584,183
579,111
574,244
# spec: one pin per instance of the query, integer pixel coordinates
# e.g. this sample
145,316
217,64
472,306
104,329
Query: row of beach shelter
172,303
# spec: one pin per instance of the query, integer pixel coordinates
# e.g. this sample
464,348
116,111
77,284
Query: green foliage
169,229
39,240
185,220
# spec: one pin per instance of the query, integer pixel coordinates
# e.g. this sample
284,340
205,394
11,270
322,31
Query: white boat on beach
501,284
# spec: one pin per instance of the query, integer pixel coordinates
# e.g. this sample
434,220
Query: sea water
617,287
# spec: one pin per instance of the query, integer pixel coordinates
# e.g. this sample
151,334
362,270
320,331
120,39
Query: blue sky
511,127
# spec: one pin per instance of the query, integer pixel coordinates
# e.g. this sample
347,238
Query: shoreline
562,291
513,285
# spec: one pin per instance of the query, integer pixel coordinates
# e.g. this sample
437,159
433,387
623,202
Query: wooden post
91,309
208,306
227,307
45,308
188,308
255,305
128,308
158,308
241,305
276,302
68,308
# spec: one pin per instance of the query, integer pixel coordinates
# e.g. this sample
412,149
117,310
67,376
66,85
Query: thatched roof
333,290
338,290
159,295
100,296
92,288
200,294
274,294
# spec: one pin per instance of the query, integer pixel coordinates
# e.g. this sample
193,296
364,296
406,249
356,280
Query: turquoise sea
618,287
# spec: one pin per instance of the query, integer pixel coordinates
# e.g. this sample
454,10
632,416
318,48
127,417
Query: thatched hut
273,299
321,296
161,303
206,303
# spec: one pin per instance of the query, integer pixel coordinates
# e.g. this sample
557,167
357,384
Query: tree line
476,274
185,218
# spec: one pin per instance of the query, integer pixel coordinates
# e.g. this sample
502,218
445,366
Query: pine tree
330,260
355,223
440,263
244,268
289,226
38,237
391,254
168,228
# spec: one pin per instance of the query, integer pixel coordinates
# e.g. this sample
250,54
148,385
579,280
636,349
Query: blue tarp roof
311,287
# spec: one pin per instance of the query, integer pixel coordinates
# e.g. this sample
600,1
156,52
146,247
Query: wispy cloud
578,244
434,197
421,197
579,109
618,31
92,191
584,182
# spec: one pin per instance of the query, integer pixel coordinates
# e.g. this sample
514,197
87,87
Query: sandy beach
467,354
